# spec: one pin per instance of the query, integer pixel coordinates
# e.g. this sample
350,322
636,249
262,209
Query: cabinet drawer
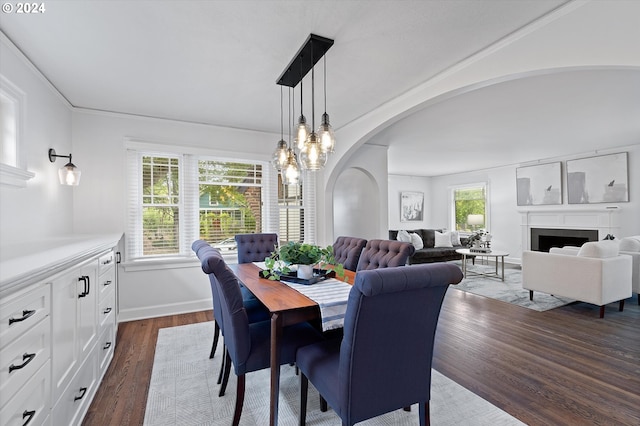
106,262
75,400
23,357
106,282
30,402
20,314
107,309
106,346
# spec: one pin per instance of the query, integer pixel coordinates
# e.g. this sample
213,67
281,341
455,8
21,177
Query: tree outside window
470,208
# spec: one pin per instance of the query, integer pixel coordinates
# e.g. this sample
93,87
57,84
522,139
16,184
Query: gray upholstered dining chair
362,376
384,254
256,311
248,344
255,247
347,251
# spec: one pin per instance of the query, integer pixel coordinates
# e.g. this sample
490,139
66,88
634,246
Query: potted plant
475,239
304,256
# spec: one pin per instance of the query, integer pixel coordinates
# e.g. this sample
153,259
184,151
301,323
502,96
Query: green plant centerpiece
292,253
475,238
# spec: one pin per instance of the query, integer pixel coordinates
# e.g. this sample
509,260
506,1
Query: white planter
305,271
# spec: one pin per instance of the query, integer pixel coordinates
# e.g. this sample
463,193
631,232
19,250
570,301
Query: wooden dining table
287,306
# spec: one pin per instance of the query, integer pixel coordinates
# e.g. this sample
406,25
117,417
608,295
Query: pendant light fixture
291,171
312,156
303,130
281,154
325,131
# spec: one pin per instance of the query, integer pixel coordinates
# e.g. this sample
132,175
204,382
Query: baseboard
136,314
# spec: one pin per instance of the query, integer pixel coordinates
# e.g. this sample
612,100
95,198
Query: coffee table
496,254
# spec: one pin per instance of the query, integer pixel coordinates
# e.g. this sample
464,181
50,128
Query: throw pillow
416,241
630,243
599,249
404,236
443,239
455,238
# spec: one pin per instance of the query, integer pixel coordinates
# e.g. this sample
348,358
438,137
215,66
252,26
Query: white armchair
596,273
631,246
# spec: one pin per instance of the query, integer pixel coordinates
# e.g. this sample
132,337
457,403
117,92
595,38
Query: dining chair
249,344
347,251
384,254
256,311
255,247
362,376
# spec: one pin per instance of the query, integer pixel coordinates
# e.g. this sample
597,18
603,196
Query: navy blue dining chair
347,251
384,254
255,247
249,344
256,311
362,375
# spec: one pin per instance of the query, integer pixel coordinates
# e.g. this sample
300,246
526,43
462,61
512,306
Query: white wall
505,217
44,208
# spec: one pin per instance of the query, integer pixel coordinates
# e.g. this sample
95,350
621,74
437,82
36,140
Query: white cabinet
58,325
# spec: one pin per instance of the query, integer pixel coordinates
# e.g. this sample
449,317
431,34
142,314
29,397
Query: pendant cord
313,96
325,83
281,117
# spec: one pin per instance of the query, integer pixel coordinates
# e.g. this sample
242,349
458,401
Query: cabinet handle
26,359
118,257
107,345
82,392
25,314
108,261
106,283
87,285
106,311
28,414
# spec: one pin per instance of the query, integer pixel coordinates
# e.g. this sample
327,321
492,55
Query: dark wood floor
561,367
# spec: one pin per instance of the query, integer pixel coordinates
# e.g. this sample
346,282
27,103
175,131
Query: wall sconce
69,174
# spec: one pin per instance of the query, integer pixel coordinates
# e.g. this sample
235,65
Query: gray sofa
429,253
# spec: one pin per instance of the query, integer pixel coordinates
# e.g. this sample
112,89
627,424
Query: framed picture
539,185
411,206
602,179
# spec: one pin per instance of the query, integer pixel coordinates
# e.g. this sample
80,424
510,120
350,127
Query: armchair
631,246
596,273
347,251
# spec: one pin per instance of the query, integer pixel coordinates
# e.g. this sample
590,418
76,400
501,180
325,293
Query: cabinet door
88,307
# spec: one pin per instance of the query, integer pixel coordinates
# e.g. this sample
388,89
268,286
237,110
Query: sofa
631,247
426,250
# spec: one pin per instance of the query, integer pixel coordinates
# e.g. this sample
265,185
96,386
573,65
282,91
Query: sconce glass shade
302,132
69,175
326,136
291,172
312,156
281,155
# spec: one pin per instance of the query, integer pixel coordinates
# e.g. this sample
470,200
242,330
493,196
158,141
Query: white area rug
183,391
510,290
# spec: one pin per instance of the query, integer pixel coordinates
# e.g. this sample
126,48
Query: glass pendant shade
312,156
281,155
291,172
69,175
326,136
302,132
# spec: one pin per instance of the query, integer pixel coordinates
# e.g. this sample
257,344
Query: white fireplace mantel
604,219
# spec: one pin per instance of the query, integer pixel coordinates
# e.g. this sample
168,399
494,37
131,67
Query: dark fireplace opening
542,239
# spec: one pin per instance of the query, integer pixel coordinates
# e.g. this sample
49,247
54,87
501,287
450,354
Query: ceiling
216,62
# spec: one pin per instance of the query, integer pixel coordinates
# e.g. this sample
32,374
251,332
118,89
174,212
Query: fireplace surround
542,239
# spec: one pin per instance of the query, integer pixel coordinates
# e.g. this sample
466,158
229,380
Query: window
469,207
291,212
175,199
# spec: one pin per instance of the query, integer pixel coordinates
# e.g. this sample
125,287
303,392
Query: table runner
331,295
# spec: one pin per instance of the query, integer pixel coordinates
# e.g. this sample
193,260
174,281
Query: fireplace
542,239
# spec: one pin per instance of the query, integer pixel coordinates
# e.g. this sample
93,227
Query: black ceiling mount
303,62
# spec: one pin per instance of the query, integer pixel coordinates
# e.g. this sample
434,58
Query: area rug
183,391
510,290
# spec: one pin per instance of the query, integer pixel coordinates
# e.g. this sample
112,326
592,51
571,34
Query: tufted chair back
384,253
347,250
255,247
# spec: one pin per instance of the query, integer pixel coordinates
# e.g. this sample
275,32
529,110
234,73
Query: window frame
452,204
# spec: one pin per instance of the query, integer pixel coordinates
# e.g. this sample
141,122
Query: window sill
14,176
161,263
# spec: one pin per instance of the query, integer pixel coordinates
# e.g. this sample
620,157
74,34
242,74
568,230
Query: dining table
286,306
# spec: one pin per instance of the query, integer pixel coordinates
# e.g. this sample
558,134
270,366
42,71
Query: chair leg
224,358
407,408
425,415
621,307
323,404
304,386
239,400
530,294
227,370
216,334
602,311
